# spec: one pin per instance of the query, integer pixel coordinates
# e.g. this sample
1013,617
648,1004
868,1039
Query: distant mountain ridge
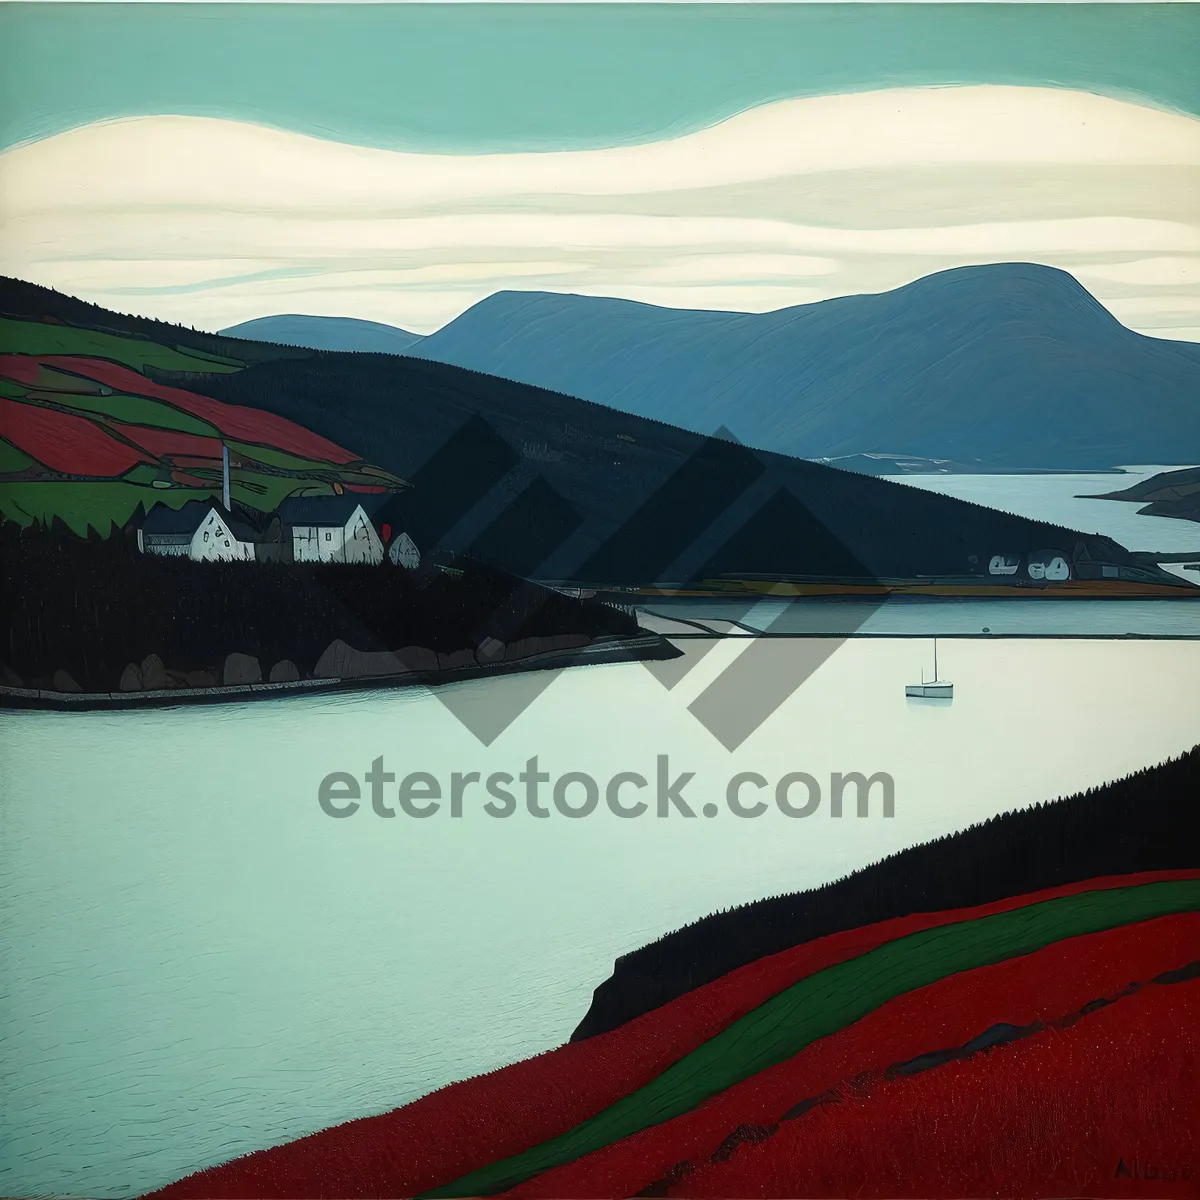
326,333
541,484
1005,366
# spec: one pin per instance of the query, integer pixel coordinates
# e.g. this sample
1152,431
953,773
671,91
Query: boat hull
930,691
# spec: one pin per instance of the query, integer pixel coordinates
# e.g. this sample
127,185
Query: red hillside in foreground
460,1128
1106,1107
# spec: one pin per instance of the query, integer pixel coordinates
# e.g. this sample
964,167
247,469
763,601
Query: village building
332,529
219,538
306,529
404,553
1049,564
1053,565
199,531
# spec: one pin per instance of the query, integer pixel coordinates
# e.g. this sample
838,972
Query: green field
39,337
261,476
131,410
104,505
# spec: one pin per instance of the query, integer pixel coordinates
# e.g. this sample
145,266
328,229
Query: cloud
212,222
1164,271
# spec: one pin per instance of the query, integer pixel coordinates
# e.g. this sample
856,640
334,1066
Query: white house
1053,565
404,553
196,531
331,529
215,541
307,529
1049,564
172,545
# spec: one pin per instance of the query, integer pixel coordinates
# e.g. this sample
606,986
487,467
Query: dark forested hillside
602,496
28,301
91,607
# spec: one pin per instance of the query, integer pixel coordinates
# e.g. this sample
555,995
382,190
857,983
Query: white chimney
225,476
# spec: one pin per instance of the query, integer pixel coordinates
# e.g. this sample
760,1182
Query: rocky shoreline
374,673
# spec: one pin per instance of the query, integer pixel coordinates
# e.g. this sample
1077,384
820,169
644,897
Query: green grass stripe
38,337
830,1000
13,458
105,505
204,356
130,410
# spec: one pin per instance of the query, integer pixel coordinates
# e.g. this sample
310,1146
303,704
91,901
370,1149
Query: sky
214,163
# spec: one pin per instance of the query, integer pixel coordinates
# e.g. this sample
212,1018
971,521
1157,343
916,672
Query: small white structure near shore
403,552
1049,564
1054,565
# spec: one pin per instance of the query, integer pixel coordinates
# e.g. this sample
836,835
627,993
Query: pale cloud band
211,222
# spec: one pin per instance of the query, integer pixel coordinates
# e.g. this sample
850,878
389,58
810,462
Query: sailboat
934,689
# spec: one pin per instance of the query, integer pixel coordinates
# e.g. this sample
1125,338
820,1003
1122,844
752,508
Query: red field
171,443
467,1125
67,443
21,368
1109,1107
236,422
1045,986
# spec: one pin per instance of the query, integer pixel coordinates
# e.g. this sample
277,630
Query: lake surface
913,617
1059,499
195,961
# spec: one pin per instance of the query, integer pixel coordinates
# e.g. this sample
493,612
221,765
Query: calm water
196,962
907,617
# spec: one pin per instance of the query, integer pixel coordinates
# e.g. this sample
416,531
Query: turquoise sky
470,78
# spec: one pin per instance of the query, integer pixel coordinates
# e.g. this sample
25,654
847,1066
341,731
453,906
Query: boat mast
935,677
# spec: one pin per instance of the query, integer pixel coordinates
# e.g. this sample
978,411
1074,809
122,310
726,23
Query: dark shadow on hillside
90,608
1149,821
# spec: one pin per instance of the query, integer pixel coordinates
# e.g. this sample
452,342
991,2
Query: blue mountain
1007,366
327,333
